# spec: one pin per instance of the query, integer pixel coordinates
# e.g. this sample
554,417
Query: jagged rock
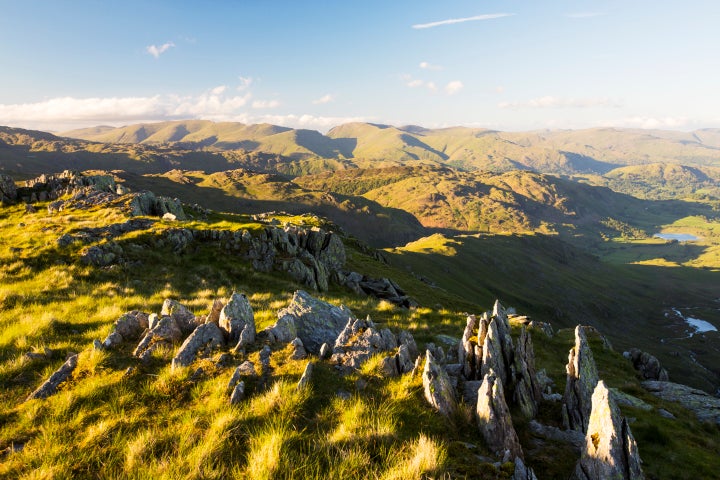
388,367
622,398
49,387
571,437
437,351
101,255
438,390
283,331
236,317
165,331
207,336
610,448
8,191
705,406
215,309
358,341
317,322
299,352
153,320
265,366
306,377
406,338
245,369
527,392
470,391
544,327
325,351
470,346
582,377
184,318
522,472
493,358
648,365
494,418
147,204
238,393
128,327
386,289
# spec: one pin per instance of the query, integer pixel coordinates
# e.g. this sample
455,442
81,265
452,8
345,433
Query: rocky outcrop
382,288
202,341
438,390
184,318
610,448
299,352
493,359
163,332
470,346
283,331
126,328
647,365
244,370
527,391
316,322
238,393
49,387
571,437
705,406
358,341
582,377
238,321
494,420
148,204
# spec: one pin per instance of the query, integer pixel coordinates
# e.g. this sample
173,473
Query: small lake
680,237
700,326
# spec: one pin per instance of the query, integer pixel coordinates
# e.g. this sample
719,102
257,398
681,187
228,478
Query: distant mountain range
590,151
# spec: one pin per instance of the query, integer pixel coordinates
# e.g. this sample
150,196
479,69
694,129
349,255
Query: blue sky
511,65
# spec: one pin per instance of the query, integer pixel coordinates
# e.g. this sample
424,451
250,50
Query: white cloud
156,51
651,122
417,83
324,99
245,83
451,21
265,104
218,90
453,87
550,101
430,66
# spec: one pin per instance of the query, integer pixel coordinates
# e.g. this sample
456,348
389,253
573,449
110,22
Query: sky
501,64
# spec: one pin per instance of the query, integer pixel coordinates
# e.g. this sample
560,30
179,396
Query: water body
680,237
700,326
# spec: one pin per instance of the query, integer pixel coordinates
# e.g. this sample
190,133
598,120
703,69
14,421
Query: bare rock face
49,387
439,392
470,346
582,377
184,318
493,358
204,339
237,319
299,352
610,448
527,392
215,309
494,419
316,322
648,365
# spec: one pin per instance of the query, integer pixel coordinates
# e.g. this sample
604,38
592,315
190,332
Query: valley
558,225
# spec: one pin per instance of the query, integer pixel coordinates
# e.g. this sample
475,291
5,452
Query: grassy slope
162,424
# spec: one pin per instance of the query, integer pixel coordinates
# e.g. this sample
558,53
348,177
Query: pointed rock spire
527,391
582,377
439,391
610,449
494,419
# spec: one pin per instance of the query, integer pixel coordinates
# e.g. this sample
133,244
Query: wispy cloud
156,51
452,21
549,101
430,66
245,83
418,83
453,87
259,104
327,98
648,122
584,14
